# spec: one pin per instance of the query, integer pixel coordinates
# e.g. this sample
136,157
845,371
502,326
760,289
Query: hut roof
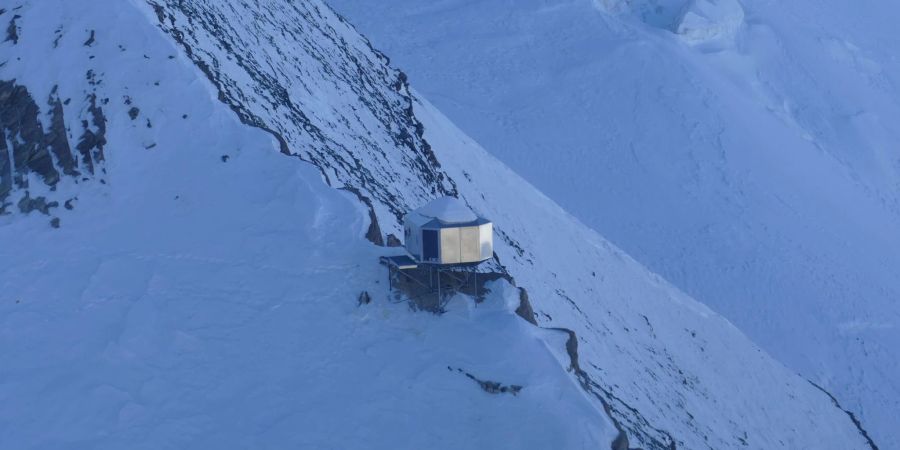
448,210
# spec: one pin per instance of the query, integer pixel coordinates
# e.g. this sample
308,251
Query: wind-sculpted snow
298,70
714,22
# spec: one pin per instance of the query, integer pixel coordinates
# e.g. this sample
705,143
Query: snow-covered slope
197,288
674,373
745,150
212,314
198,301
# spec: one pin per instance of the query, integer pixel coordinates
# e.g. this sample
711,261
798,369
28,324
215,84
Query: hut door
429,245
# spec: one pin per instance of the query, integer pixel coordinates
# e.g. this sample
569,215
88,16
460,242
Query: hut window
429,245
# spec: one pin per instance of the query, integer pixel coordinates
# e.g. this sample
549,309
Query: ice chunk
710,20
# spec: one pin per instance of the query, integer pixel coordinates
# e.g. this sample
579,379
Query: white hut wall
469,245
486,241
412,236
450,246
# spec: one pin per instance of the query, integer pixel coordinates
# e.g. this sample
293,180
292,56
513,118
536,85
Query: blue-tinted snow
200,302
746,151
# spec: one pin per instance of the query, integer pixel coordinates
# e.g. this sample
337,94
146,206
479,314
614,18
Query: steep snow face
759,174
405,190
206,296
204,293
315,84
320,88
672,371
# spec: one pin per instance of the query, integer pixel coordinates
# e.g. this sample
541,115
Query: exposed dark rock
133,112
28,204
364,298
92,140
491,387
57,138
853,418
373,234
54,222
12,30
511,242
90,41
525,310
19,117
621,441
91,77
59,35
30,154
225,158
392,241
36,150
651,437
